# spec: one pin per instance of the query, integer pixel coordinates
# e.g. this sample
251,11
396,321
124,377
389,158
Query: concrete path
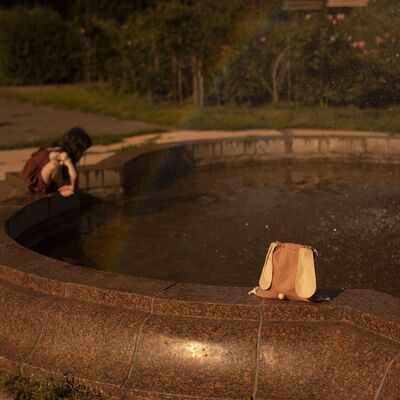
20,122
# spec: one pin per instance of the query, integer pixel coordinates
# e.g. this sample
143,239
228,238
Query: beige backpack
288,272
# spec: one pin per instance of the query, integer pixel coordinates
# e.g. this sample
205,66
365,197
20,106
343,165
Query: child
52,169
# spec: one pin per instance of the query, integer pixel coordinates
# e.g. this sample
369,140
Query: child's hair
74,142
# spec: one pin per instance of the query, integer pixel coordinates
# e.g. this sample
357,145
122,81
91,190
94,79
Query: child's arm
72,171
64,159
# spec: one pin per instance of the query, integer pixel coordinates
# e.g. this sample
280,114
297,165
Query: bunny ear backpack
288,272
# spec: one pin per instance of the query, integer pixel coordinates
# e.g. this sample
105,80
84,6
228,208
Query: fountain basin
150,338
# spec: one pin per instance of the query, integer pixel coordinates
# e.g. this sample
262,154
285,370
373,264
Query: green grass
99,98
302,117
67,389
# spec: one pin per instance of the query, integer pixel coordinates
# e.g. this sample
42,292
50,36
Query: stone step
14,179
7,191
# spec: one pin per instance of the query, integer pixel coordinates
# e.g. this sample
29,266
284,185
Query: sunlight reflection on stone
193,349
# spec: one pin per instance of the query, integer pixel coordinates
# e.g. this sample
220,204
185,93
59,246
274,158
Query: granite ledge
371,311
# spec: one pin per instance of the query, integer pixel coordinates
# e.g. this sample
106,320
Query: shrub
36,47
99,41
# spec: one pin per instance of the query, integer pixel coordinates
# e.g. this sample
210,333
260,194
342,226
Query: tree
37,46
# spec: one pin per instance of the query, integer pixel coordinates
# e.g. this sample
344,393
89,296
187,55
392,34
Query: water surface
214,225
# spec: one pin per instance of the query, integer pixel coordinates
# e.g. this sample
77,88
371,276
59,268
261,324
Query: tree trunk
195,81
290,75
200,80
174,78
156,64
124,70
180,85
86,44
95,69
275,70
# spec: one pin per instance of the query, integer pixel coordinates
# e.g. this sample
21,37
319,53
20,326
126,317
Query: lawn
100,98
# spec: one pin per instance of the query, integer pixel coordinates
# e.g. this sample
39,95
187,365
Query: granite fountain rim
368,309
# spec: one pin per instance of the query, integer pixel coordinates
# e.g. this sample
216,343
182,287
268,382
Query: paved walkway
24,121
20,122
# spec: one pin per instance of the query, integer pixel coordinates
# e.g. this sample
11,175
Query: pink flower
362,44
340,17
263,39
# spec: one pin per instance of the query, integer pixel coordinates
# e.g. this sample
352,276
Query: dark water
214,225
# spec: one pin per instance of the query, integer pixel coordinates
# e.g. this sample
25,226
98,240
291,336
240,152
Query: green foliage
225,52
172,50
106,9
331,59
98,48
375,80
37,47
51,389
